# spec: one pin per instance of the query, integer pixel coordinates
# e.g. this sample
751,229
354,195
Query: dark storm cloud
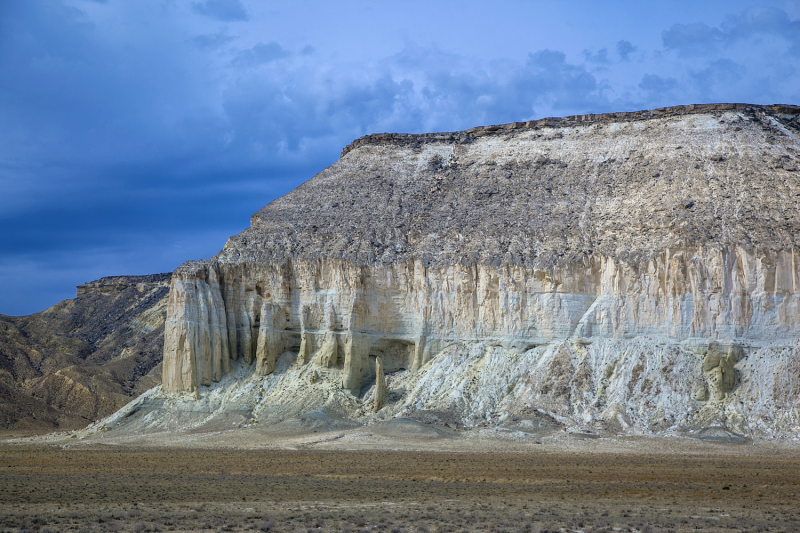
71,97
549,76
601,56
658,89
259,54
225,10
212,40
693,39
135,136
657,84
434,90
719,72
699,39
625,49
752,56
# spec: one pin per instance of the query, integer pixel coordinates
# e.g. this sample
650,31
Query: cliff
84,358
622,272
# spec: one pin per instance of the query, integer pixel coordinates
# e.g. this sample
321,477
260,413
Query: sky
135,136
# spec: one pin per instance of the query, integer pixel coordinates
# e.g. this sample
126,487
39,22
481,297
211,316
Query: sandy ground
405,479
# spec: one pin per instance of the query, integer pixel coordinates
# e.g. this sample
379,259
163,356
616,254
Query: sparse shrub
436,162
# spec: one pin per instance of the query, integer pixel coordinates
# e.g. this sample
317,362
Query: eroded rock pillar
380,385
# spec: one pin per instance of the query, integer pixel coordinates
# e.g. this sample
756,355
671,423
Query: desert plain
411,480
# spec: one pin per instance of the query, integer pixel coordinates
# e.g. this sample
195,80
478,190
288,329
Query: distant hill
82,359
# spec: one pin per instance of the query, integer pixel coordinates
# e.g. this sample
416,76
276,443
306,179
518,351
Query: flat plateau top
623,185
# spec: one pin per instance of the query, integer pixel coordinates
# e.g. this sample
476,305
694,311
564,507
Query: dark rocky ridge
84,358
111,284
554,191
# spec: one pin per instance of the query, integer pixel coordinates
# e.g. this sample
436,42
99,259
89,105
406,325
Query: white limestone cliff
624,273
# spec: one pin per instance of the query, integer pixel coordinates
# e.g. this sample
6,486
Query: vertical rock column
180,367
419,351
356,348
196,337
355,358
304,354
219,340
241,312
269,340
328,353
380,385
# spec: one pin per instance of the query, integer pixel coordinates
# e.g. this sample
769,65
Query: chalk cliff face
622,272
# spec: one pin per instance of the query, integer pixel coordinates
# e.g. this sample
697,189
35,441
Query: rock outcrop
82,359
621,272
380,385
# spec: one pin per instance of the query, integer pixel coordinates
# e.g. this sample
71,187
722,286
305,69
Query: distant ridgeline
111,284
84,358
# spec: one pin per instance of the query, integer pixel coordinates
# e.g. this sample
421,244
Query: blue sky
135,136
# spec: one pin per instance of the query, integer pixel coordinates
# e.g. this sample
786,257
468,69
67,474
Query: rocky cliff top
787,111
111,284
623,185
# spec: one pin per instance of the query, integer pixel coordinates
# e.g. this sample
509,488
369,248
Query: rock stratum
627,273
83,358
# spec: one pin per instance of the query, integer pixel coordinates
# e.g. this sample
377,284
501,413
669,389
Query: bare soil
118,488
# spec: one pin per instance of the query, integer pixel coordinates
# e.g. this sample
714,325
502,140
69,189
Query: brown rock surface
84,358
